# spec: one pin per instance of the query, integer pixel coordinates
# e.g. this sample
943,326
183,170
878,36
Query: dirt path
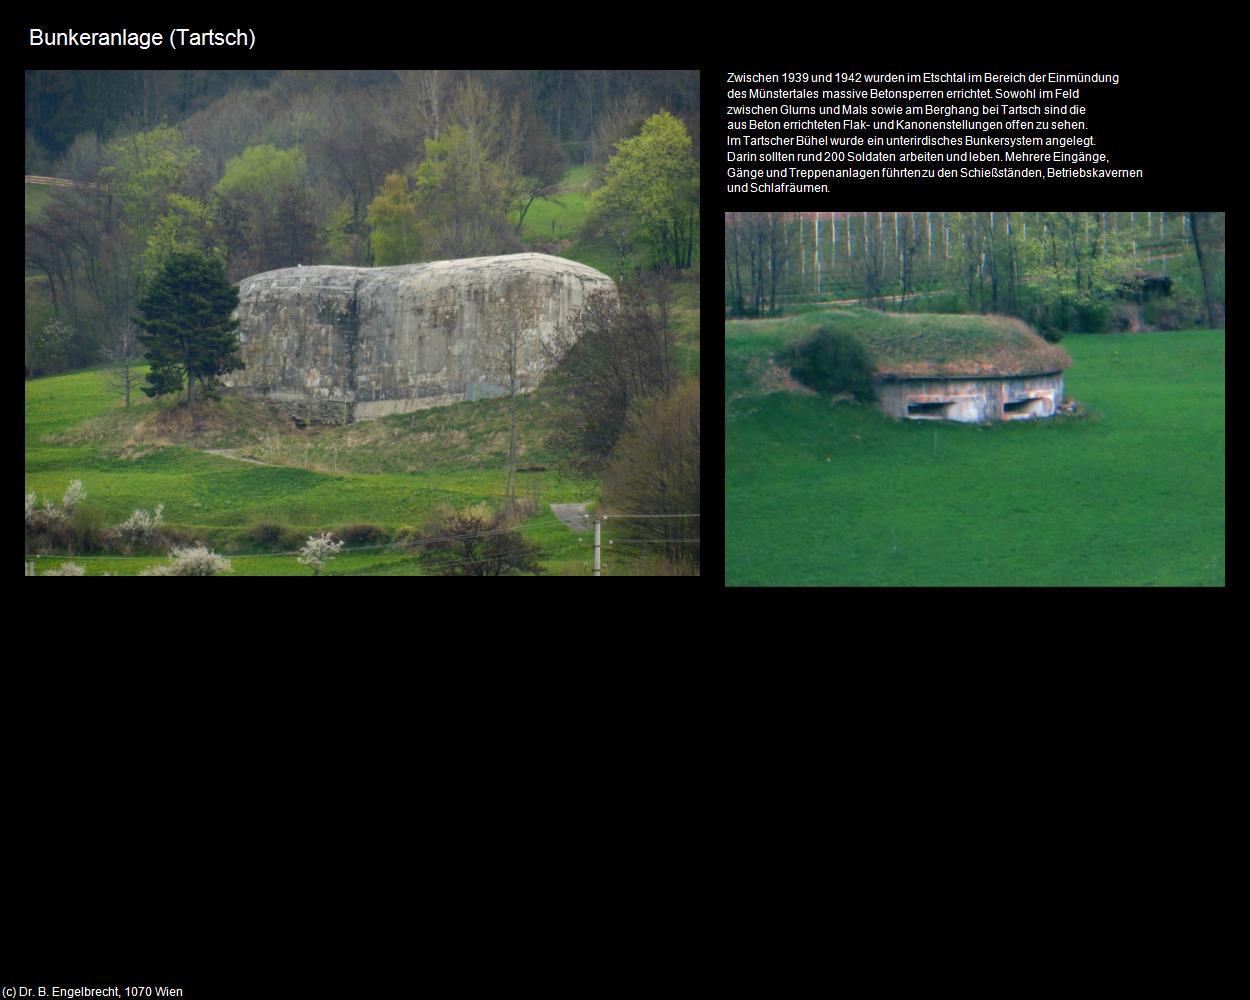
233,453
574,515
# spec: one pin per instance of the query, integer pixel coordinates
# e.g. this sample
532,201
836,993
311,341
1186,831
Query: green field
560,216
389,473
555,224
1131,493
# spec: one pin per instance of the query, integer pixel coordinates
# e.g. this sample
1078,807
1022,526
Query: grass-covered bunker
953,367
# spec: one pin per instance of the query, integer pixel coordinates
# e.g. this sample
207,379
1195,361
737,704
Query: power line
654,541
618,517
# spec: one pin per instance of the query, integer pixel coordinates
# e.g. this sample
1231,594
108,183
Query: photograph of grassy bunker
974,399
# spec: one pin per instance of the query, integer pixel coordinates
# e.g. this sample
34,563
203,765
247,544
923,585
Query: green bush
832,361
1173,314
267,536
1093,316
361,534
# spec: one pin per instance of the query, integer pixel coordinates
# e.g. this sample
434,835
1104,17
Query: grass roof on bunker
934,345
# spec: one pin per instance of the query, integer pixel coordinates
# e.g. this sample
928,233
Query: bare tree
654,474
507,345
622,118
610,355
424,96
123,349
1207,229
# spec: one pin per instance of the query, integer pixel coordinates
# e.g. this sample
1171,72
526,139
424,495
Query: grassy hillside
391,474
1130,494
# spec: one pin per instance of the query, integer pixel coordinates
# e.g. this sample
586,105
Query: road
574,515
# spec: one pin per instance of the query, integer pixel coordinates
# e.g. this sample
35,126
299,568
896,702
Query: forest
268,169
1060,271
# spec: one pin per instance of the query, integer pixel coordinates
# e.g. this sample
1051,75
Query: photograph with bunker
974,398
373,322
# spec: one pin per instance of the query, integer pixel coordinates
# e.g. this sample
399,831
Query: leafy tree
394,229
463,196
143,168
650,196
186,324
266,210
187,225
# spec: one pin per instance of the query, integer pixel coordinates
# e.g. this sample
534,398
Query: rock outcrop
336,344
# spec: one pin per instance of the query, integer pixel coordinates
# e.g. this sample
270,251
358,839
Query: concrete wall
972,400
335,344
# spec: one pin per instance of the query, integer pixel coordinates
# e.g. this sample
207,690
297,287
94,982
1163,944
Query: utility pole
597,523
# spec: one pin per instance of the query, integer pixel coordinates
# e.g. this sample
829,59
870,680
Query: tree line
344,168
576,106
1060,271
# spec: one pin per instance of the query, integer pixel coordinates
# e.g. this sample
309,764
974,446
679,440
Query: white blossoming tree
318,551
142,528
194,560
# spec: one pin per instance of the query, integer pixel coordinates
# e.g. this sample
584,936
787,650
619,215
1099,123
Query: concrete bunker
973,400
336,344
969,369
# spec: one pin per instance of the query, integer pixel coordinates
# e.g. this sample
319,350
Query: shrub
475,542
66,569
1124,317
1092,316
70,525
75,494
1172,315
362,534
406,537
193,561
270,537
88,529
141,528
832,361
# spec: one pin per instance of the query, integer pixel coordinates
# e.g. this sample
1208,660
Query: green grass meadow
560,216
1131,493
392,473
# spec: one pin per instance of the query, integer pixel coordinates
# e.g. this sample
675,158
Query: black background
1175,116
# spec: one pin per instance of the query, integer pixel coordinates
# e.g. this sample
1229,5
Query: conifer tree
186,325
